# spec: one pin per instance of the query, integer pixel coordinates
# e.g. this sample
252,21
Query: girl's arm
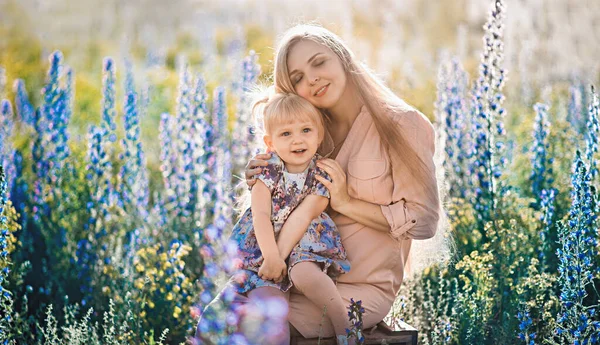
298,221
261,220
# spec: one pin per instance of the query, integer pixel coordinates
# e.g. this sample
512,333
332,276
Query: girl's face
295,143
316,73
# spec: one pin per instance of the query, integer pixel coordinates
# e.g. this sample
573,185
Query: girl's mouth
299,151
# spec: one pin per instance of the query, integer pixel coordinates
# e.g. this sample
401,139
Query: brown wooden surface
401,334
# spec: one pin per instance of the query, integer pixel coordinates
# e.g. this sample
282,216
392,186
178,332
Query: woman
383,190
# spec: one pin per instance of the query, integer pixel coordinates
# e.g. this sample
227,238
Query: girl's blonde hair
379,100
278,108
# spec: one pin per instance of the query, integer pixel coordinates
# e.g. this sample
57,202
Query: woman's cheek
303,91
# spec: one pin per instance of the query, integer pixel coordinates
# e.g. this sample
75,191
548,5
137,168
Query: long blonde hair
379,100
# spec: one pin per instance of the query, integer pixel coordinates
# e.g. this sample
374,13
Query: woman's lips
322,91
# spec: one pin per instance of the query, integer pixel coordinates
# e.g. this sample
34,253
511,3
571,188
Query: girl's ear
268,141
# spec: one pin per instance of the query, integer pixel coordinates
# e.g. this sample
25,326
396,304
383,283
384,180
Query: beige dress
377,258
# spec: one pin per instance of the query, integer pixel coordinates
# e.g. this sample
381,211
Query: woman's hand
254,167
273,268
338,189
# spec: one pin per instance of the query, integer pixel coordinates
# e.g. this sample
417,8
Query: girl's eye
306,130
285,134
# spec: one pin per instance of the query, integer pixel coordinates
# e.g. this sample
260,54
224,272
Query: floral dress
321,242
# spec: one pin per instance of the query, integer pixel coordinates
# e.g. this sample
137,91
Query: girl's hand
338,189
273,268
254,167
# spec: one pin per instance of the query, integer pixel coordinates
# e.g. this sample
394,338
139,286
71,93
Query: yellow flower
143,313
177,310
139,268
106,290
151,304
176,288
139,283
170,296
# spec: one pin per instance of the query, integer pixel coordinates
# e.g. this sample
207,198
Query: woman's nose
313,80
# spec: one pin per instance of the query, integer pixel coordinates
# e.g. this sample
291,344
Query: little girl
288,202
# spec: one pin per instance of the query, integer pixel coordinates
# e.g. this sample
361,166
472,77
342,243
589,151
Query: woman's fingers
332,168
254,166
324,181
251,172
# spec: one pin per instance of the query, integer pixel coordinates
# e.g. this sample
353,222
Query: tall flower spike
541,173
575,110
108,99
487,114
451,109
244,141
578,240
168,157
39,165
184,143
133,174
547,206
7,151
23,106
196,166
593,130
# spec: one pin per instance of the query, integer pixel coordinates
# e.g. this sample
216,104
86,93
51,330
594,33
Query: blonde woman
383,188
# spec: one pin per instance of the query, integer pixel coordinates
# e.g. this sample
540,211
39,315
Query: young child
288,202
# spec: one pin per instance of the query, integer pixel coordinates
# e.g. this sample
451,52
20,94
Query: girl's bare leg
321,290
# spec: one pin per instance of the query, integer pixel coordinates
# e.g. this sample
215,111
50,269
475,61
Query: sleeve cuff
399,219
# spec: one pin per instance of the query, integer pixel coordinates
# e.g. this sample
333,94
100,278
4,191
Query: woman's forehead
302,52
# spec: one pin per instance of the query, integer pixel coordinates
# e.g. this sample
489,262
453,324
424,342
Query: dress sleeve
317,187
271,174
414,213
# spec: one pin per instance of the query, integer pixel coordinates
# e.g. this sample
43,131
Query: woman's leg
318,287
266,317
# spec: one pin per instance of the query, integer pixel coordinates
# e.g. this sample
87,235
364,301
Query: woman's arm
361,211
413,213
261,220
364,212
298,221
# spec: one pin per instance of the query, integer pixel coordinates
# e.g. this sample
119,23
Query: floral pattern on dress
321,242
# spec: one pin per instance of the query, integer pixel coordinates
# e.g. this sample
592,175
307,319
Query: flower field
118,189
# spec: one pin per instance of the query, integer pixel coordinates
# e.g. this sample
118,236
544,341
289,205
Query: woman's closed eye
319,63
297,78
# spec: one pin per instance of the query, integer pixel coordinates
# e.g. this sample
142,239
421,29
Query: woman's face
316,73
